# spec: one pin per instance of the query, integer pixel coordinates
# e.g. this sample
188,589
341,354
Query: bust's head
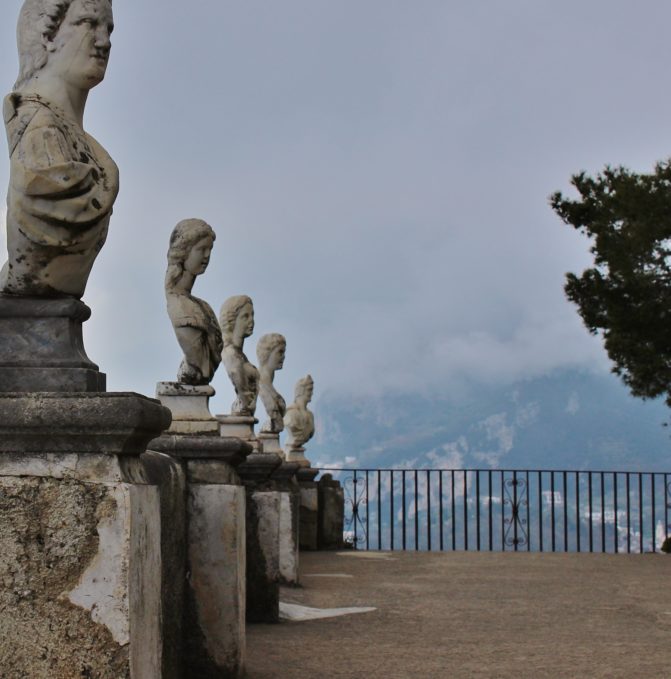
271,350
236,319
304,390
189,252
69,39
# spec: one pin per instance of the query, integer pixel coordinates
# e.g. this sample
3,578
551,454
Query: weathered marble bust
237,323
193,320
299,421
270,351
63,184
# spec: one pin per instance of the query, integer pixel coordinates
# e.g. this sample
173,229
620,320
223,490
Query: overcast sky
377,173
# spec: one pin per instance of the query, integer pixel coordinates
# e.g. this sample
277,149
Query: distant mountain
569,420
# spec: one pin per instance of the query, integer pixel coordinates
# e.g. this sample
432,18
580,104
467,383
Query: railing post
640,513
603,514
491,531
465,510
565,501
404,514
440,494
391,507
454,514
616,537
552,500
428,509
416,512
379,510
654,514
355,511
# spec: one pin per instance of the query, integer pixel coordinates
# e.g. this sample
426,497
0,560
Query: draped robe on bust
62,189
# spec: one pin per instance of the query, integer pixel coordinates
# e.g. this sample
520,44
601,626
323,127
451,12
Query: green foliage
626,296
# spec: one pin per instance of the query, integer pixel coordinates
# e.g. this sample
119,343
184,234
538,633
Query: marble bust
237,323
299,422
63,184
270,352
193,319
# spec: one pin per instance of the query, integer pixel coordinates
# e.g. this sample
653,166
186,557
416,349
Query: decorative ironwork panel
356,506
515,497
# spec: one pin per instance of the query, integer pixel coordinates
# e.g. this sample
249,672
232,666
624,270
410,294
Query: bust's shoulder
23,112
183,310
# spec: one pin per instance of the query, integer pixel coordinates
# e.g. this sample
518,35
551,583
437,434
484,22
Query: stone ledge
111,423
286,471
306,474
258,467
228,449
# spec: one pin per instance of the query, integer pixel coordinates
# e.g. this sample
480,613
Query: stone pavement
473,615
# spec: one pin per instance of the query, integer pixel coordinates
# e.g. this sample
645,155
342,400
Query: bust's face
276,360
199,257
79,52
244,321
305,394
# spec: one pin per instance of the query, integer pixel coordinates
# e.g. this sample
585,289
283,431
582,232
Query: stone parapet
212,609
331,513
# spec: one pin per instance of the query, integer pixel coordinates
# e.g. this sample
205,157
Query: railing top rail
497,470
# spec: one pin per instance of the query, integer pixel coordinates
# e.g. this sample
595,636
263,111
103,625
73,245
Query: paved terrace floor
473,615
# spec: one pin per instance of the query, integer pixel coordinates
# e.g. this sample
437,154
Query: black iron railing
499,510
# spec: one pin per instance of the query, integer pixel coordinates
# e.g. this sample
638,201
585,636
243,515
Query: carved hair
267,344
229,312
302,385
184,236
39,22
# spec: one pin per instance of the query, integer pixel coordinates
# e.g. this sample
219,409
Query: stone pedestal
285,481
168,475
331,513
296,454
41,347
189,406
80,537
242,427
213,624
309,508
270,443
263,537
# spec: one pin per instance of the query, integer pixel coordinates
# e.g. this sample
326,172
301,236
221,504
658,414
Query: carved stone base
41,346
189,406
270,443
296,454
242,427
